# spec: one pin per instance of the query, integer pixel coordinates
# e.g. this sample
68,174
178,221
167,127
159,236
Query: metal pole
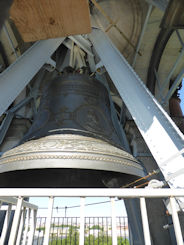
48,222
5,225
179,37
32,227
149,116
158,83
161,4
82,206
134,220
5,125
16,219
172,70
91,192
82,43
14,79
142,34
113,213
26,226
177,227
9,117
10,41
21,226
144,215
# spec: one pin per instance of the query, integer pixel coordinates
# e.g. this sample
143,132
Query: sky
97,210
181,92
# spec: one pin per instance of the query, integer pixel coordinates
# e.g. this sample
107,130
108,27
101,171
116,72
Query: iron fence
98,231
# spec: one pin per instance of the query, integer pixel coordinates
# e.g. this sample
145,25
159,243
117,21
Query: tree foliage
72,238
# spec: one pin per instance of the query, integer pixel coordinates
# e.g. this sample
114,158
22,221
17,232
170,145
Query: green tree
73,238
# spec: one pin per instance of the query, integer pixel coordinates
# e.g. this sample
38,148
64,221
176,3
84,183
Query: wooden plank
43,19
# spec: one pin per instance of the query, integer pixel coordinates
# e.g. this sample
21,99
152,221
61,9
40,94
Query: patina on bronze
72,142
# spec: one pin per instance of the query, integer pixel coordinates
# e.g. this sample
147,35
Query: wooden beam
43,19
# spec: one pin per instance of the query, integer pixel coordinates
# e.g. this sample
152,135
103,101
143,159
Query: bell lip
71,161
64,154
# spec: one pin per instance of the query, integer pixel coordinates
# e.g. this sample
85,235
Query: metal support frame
161,4
142,33
167,80
150,118
164,97
178,78
144,215
85,45
82,43
19,74
174,86
134,219
160,96
9,117
10,41
179,37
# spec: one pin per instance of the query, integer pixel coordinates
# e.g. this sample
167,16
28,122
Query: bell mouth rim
72,152
72,161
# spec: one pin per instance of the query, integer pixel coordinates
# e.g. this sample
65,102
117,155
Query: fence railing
97,231
18,208
23,229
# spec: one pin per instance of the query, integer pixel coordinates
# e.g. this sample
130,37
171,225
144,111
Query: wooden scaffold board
44,19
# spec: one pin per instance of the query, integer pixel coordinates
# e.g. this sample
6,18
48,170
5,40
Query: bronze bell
72,142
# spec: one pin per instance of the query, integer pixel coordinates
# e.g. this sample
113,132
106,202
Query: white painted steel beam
24,241
48,221
32,227
147,237
6,224
114,228
16,219
21,227
92,192
11,200
176,222
14,79
82,43
82,221
162,136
